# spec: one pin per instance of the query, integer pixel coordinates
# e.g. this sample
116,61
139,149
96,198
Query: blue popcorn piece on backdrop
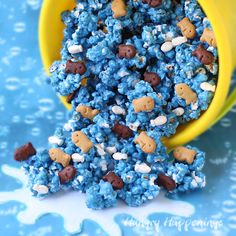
100,196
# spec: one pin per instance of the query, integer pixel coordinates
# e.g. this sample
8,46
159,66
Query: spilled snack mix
133,71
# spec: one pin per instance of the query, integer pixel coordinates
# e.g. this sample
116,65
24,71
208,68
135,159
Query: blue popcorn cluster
122,75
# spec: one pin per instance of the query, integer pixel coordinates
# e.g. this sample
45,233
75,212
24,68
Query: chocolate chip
71,96
67,174
153,3
127,51
152,78
122,130
75,67
204,56
114,180
166,182
24,152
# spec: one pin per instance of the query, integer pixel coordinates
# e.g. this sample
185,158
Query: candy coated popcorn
133,71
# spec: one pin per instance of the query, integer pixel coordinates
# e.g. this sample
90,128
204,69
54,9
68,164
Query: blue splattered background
29,110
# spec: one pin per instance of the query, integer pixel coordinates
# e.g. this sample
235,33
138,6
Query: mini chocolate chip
127,51
24,152
75,67
67,174
204,56
152,78
153,3
114,180
166,182
122,130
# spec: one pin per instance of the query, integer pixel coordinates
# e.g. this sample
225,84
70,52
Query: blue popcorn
100,52
188,176
139,192
84,177
194,181
100,196
114,86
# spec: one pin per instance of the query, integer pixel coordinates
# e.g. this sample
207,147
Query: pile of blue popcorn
133,72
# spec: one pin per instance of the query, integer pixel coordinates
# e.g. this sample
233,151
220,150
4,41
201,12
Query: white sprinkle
159,95
166,47
179,111
80,178
179,40
211,49
73,49
151,181
123,73
118,26
205,20
67,127
52,68
160,120
208,87
103,165
197,180
100,150
104,51
55,140
76,157
146,45
41,189
142,168
174,177
111,150
194,106
118,110
134,126
119,156
194,183
76,14
118,100
158,28
105,125
80,6
189,74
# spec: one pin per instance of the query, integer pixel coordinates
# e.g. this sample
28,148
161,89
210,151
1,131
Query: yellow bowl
222,16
